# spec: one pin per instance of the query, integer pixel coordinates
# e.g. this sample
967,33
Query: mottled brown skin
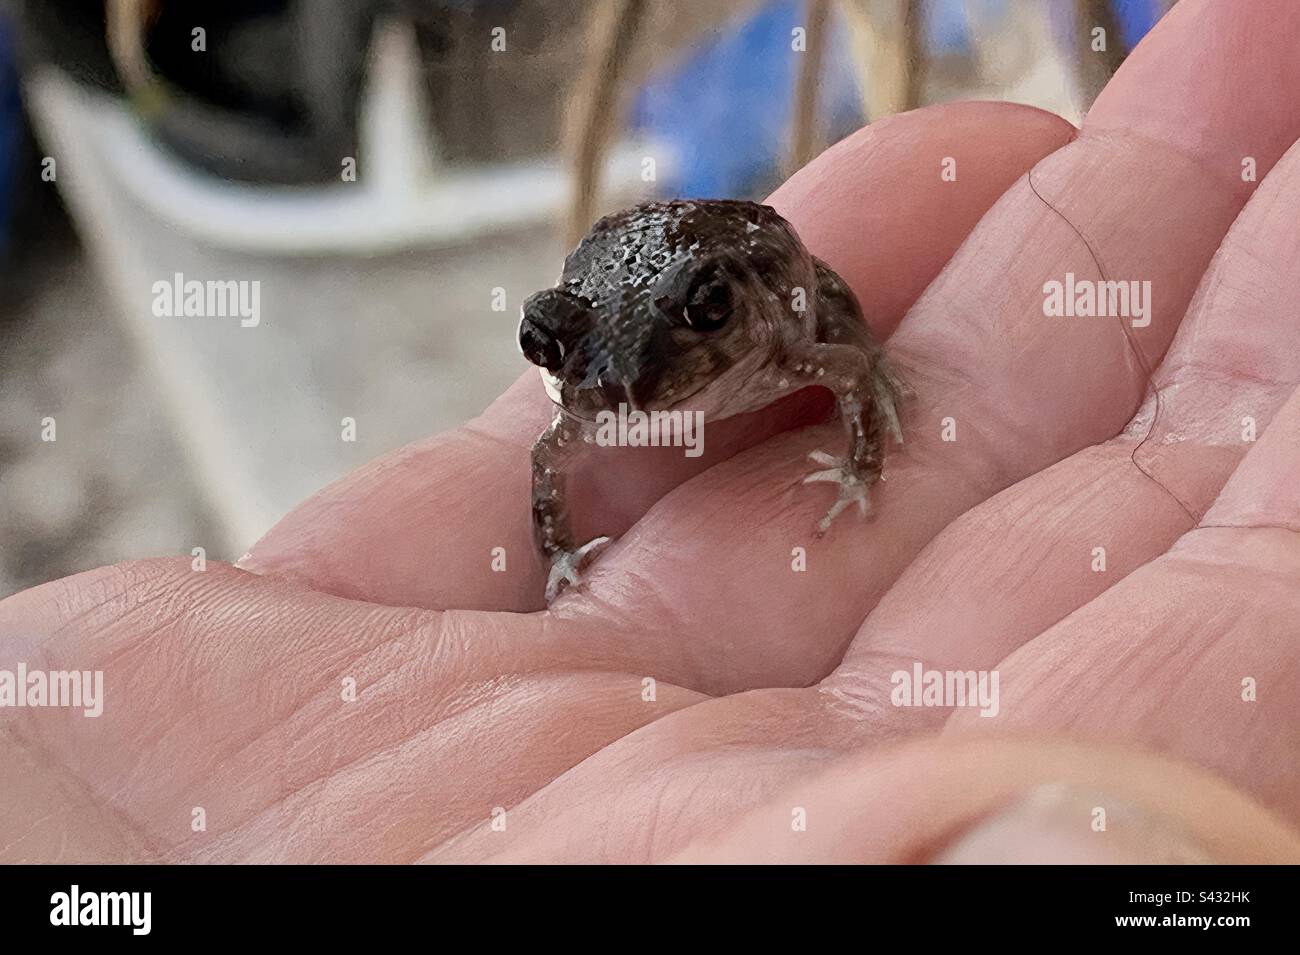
700,305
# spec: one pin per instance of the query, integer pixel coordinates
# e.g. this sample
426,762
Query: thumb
999,801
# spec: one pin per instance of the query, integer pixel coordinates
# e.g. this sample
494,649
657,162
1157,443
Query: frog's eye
709,303
704,304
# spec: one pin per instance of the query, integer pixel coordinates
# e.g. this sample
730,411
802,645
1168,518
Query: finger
1007,570
1195,651
1014,389
419,527
999,802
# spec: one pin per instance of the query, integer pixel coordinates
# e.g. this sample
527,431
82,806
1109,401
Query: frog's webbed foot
853,486
567,565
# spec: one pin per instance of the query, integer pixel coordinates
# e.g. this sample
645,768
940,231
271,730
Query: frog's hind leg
847,360
888,391
868,425
856,471
839,321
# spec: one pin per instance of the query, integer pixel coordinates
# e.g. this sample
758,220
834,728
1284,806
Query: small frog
711,305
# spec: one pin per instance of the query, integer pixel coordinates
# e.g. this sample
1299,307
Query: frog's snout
550,323
540,345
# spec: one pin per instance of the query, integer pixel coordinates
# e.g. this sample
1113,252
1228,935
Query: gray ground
404,344
113,483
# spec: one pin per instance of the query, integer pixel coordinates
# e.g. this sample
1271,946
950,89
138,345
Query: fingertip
1211,79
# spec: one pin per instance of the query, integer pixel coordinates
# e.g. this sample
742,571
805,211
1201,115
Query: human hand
223,687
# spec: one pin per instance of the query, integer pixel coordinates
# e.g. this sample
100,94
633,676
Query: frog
714,305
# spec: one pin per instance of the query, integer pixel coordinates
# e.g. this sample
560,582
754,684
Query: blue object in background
1136,17
945,28
725,111
11,125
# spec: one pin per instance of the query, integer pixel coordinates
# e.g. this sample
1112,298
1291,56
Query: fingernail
1063,824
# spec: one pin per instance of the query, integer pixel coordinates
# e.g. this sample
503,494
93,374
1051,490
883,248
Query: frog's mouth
552,385
554,391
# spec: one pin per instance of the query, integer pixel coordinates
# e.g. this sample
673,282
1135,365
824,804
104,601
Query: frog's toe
562,574
853,489
566,568
834,467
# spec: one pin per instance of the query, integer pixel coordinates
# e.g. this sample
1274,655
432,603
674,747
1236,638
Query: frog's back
626,251
839,317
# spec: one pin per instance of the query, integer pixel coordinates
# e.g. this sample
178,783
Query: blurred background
396,175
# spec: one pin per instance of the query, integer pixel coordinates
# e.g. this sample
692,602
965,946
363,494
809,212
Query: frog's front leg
553,451
867,393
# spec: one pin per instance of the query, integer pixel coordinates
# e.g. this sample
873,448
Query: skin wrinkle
982,472
1202,371
75,789
335,776
309,698
213,851
1261,527
67,778
49,661
440,720
163,625
687,789
685,671
622,762
627,653
1196,466
1144,362
140,602
854,698
1215,624
1188,362
1213,171
519,802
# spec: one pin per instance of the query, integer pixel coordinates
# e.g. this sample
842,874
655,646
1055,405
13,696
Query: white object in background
398,146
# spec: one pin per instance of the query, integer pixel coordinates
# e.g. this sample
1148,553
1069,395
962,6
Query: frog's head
658,303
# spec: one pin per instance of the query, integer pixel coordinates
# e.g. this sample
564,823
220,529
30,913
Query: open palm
1115,546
